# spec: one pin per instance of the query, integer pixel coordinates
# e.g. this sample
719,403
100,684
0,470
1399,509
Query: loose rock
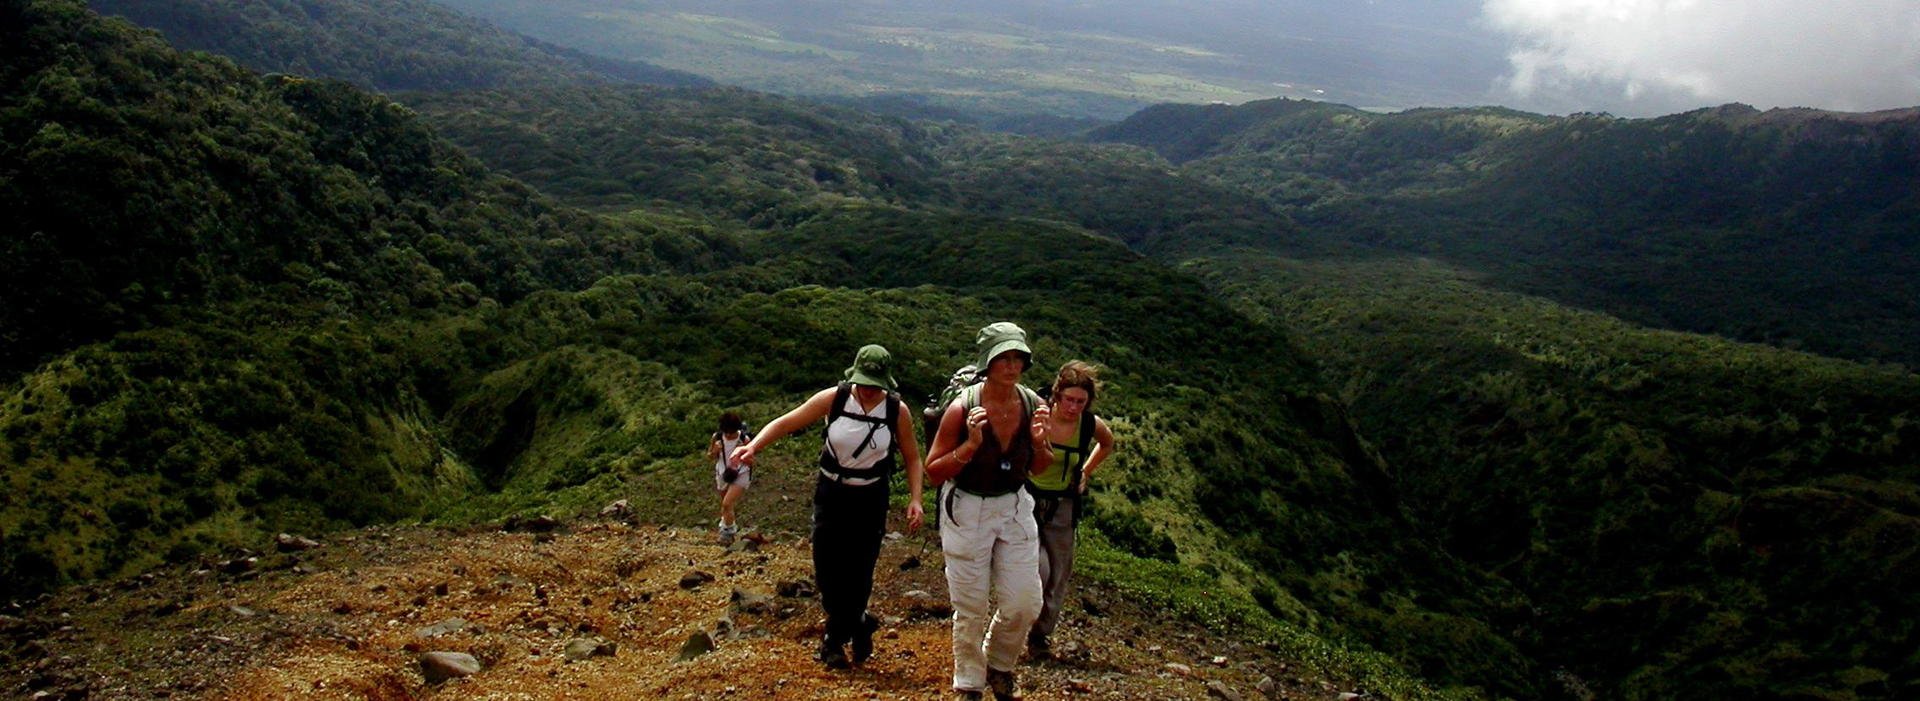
451,625
441,666
581,649
697,644
1219,690
289,543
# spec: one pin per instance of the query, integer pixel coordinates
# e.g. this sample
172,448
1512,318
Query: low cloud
1647,56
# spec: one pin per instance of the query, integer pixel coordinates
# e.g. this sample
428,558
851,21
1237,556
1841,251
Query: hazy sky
1659,56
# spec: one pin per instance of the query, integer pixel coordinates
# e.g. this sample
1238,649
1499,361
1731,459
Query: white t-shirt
846,435
726,449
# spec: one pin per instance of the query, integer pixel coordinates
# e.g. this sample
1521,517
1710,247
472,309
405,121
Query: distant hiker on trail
730,477
866,424
991,437
1081,441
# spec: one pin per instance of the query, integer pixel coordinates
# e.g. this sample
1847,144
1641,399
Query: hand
976,425
1042,426
915,515
742,455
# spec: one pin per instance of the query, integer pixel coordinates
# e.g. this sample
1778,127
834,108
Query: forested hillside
236,305
1690,516
379,44
1790,227
1648,439
282,378
196,263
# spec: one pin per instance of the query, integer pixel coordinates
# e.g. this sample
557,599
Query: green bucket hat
872,366
1000,337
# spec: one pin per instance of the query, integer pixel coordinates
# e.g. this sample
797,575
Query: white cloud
1657,55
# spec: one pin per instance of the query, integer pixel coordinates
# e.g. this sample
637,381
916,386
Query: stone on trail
287,543
697,644
451,625
581,649
441,666
1219,690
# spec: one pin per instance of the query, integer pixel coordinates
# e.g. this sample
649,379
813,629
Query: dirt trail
348,620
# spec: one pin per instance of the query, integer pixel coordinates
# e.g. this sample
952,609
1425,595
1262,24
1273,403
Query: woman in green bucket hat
990,439
866,425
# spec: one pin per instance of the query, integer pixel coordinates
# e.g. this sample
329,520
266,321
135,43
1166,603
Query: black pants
848,525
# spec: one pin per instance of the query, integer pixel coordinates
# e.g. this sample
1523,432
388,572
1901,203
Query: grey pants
1056,562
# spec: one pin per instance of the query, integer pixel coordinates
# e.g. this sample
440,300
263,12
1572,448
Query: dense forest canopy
1791,227
379,44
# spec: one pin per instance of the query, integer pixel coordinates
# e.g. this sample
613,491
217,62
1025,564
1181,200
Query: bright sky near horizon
1658,56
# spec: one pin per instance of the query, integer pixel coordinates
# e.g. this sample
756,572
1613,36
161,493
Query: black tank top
992,472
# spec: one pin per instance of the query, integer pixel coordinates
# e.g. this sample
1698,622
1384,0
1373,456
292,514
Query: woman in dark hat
866,424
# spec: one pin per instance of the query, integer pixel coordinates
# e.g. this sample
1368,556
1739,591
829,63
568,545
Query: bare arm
954,442
814,409
910,450
1042,442
1102,447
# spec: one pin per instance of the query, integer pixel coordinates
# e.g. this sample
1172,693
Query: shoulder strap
840,394
1029,398
1087,425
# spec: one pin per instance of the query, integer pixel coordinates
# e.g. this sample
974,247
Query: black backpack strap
831,463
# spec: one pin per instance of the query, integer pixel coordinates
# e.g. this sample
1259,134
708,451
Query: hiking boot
727,532
1003,684
863,638
1039,649
833,655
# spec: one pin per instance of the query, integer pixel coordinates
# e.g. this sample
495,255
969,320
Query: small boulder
289,543
797,589
1219,690
693,580
751,601
441,666
582,649
451,625
1179,669
697,644
618,511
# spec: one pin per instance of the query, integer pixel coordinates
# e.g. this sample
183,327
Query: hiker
991,437
866,424
730,478
1081,441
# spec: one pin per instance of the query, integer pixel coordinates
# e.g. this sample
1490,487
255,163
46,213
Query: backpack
966,376
886,465
1051,499
1085,442
746,436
